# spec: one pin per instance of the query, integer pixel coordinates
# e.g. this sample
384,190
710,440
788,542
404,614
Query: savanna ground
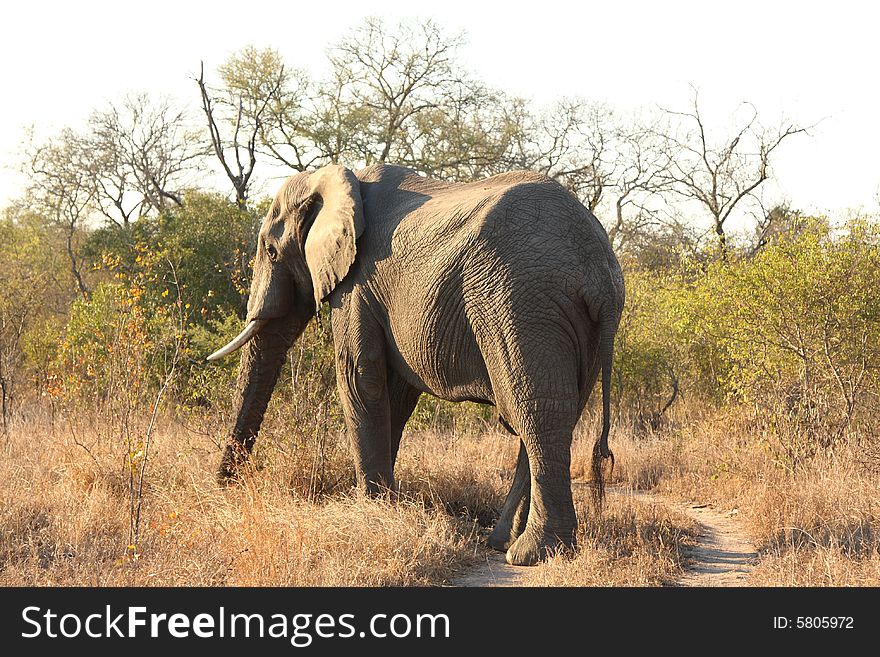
66,513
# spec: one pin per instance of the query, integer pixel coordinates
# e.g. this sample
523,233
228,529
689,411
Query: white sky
806,61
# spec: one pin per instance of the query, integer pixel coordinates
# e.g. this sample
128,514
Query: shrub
798,330
114,344
648,358
34,297
205,247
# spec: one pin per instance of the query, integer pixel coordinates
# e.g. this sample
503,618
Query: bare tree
110,173
639,183
612,165
473,131
394,75
461,138
253,80
143,151
293,131
62,189
580,141
131,159
720,176
339,129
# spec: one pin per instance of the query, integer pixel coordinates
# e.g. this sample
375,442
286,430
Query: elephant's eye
273,253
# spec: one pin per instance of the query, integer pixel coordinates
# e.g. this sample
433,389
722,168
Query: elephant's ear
330,246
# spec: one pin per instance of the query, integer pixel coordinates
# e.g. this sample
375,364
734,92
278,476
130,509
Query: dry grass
64,515
639,462
469,476
820,527
816,524
64,520
632,543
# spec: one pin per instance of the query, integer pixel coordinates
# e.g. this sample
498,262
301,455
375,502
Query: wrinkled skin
503,291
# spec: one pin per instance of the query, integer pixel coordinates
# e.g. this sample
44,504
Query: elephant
504,291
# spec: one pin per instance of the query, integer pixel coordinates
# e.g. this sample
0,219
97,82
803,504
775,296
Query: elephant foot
534,546
501,538
235,461
507,531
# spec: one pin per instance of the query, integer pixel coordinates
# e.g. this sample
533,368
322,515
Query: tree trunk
722,238
83,290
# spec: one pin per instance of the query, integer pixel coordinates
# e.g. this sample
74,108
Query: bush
204,248
797,329
793,331
191,262
114,344
648,356
35,293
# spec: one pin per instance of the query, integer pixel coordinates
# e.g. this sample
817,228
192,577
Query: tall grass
64,515
817,524
64,520
296,520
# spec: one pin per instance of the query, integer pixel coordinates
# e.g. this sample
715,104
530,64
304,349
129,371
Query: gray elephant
504,291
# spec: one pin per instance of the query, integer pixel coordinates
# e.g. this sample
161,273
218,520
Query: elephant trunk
261,360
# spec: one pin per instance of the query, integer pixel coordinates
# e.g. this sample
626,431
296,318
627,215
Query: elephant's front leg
363,389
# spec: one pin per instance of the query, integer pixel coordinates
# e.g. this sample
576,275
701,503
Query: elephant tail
607,319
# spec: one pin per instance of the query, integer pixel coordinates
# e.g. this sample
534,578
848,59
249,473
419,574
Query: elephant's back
536,229
521,225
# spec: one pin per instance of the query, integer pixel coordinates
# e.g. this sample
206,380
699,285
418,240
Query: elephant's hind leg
535,384
515,512
552,522
402,399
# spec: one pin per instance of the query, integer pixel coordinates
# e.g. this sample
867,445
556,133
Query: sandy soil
723,556
492,570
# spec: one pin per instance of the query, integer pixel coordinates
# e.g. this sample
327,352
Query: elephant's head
307,244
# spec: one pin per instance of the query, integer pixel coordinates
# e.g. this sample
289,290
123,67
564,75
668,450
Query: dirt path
723,555
492,570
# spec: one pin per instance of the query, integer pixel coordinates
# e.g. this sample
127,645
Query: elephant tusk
241,339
